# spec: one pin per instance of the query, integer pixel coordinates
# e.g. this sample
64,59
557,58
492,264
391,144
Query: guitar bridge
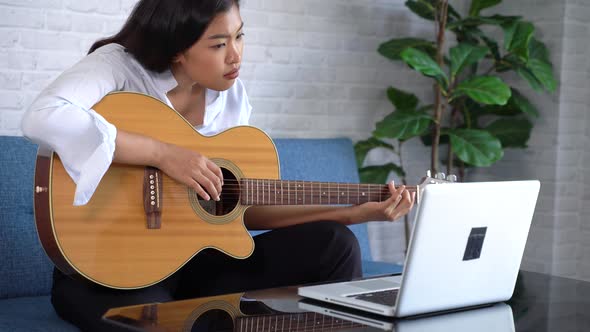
152,198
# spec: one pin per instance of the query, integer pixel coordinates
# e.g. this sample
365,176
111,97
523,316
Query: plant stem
441,21
450,147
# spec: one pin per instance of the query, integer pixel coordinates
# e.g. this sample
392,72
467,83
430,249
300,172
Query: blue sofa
25,273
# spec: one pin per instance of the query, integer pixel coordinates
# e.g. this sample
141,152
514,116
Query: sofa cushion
374,268
26,270
328,160
29,314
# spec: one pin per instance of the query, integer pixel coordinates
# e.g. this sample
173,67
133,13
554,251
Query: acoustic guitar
141,226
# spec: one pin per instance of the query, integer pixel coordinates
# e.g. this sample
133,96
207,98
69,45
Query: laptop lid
466,248
467,245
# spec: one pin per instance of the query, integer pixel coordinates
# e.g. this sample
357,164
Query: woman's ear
177,58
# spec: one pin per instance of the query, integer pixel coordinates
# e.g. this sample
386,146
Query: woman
186,53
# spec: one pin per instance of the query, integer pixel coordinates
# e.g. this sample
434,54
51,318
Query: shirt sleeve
61,119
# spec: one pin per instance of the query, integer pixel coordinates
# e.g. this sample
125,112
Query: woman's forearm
137,149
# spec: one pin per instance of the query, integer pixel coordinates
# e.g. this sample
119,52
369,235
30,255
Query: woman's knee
342,249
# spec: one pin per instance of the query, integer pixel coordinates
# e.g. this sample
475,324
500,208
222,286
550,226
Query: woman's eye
218,46
240,35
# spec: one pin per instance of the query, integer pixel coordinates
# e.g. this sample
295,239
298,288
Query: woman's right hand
192,169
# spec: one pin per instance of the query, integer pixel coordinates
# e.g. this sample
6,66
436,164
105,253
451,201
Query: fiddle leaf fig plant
475,113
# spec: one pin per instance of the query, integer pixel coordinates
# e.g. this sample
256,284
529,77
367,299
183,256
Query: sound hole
215,320
230,196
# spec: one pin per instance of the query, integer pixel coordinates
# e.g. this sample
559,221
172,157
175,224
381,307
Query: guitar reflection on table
251,311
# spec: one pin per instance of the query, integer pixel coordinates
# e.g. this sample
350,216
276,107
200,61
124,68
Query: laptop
465,250
493,318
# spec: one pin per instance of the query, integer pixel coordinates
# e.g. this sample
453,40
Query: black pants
311,252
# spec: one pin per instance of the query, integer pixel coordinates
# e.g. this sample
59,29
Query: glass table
540,303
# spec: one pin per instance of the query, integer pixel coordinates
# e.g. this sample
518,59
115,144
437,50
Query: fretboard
306,321
282,192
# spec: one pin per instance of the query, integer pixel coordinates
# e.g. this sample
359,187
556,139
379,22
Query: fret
262,328
358,194
289,192
303,190
275,192
263,191
268,181
257,192
246,186
276,322
347,194
369,190
338,193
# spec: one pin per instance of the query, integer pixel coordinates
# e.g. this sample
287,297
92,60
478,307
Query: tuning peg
428,174
440,176
452,178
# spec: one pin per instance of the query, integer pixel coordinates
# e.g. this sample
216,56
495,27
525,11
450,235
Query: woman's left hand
395,207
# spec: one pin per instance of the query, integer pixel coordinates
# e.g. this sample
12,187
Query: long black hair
157,30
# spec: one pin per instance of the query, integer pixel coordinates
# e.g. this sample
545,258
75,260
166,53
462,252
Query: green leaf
423,63
403,124
543,71
402,100
478,5
379,174
523,104
361,148
511,61
476,147
517,36
464,55
392,49
424,9
538,50
517,104
512,133
484,89
528,76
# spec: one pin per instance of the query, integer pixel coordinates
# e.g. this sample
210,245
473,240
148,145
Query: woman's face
214,60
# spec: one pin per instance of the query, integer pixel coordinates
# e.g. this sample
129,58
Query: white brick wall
311,70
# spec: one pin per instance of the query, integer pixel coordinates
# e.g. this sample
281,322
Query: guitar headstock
439,178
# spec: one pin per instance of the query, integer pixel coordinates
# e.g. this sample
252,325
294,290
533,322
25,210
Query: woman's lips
232,74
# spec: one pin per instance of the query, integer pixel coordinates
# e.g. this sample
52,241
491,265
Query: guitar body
107,240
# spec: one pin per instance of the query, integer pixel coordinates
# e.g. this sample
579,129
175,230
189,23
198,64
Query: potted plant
475,114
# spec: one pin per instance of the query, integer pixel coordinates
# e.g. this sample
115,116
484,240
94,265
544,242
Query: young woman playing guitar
186,53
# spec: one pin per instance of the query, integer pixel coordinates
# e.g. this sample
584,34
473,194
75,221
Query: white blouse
61,119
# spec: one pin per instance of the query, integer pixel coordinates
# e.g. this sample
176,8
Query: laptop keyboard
386,297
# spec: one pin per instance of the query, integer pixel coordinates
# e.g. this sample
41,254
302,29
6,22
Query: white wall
311,70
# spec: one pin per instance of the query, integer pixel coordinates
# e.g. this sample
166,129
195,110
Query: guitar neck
283,192
305,321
